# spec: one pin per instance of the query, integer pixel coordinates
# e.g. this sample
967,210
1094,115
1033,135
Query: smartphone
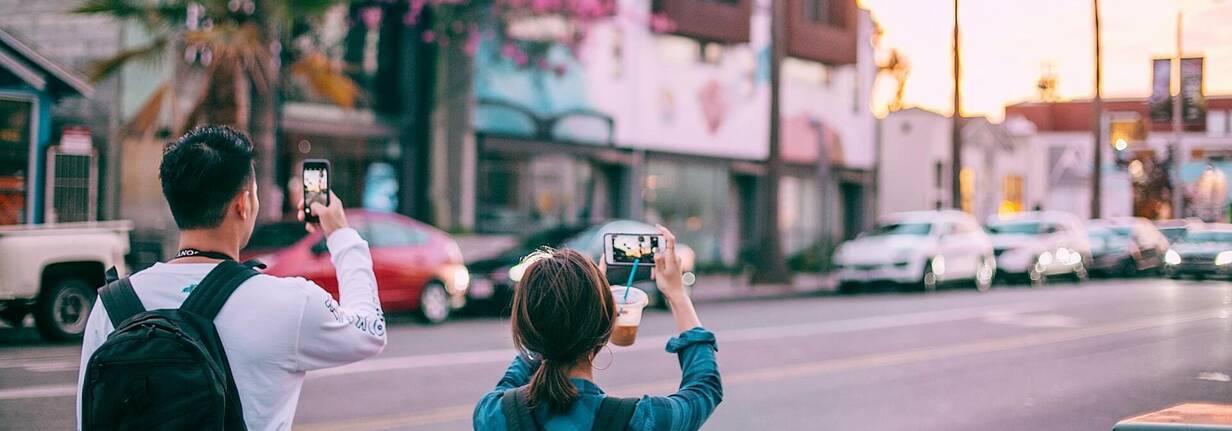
621,249
316,186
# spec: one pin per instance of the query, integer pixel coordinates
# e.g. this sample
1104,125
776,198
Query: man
273,330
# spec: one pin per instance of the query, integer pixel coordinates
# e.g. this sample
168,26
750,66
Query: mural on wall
667,93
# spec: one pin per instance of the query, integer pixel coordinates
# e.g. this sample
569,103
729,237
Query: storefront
526,185
29,84
364,154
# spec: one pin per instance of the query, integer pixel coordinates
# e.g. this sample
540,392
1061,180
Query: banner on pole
1160,103
1193,103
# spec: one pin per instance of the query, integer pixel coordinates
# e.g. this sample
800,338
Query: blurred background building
659,114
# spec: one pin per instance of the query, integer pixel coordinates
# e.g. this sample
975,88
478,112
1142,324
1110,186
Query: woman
563,313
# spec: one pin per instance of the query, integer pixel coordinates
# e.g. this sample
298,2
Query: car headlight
1223,258
1173,258
1045,258
461,279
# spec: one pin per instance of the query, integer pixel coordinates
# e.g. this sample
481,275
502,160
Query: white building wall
664,96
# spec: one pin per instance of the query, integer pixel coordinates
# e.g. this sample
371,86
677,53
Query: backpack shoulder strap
517,413
217,286
614,414
120,301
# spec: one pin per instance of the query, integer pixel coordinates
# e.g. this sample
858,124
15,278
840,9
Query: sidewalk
725,288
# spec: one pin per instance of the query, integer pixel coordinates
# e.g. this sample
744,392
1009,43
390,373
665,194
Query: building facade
915,173
1136,173
671,128
53,46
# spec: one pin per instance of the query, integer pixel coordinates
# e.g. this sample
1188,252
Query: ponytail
550,385
563,312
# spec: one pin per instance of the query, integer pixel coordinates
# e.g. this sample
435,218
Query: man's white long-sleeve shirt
273,329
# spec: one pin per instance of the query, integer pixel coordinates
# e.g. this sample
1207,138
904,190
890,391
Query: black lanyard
191,252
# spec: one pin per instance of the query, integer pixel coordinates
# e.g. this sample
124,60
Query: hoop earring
611,358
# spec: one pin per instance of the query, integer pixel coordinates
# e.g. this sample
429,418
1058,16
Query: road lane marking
806,369
726,336
1045,320
648,343
45,391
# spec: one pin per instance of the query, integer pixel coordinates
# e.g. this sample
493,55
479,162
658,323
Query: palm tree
227,55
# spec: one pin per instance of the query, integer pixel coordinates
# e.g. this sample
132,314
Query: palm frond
149,53
165,14
146,118
326,80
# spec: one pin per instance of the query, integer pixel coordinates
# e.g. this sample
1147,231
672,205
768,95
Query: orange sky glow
1006,44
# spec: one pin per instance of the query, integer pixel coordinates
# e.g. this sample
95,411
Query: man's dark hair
202,172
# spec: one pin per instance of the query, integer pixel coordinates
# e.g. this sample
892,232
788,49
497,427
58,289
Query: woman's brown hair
562,312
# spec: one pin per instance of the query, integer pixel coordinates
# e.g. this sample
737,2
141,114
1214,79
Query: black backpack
164,369
613,415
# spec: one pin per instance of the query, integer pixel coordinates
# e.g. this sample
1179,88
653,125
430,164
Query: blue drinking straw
629,285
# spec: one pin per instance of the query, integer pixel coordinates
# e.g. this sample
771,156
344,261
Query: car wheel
433,304
13,314
928,282
847,288
984,275
62,310
1036,277
1080,273
1129,268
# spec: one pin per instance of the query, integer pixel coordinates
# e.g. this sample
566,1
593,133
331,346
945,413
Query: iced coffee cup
628,313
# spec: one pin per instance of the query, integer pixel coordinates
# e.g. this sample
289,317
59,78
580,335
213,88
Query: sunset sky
1006,43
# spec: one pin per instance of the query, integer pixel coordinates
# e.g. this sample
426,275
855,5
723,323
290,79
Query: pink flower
371,16
472,43
429,36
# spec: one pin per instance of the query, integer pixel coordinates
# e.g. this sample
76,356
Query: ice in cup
628,313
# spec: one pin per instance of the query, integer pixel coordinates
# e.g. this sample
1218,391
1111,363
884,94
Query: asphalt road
1063,357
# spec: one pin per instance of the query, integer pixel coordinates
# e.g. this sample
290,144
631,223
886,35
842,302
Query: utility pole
956,124
772,266
1097,126
1178,125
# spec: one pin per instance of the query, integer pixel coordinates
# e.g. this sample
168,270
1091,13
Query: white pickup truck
55,270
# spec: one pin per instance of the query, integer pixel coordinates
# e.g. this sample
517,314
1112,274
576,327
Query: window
15,122
1011,195
1218,123
826,12
822,30
390,234
938,175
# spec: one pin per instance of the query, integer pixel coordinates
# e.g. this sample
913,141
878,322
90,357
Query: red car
418,267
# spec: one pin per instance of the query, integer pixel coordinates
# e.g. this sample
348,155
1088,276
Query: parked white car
1032,246
54,271
925,248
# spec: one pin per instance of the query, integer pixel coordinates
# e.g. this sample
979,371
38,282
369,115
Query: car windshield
1208,236
276,236
1174,234
1019,228
1108,232
1101,233
912,229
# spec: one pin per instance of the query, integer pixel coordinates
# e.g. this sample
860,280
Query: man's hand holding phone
329,217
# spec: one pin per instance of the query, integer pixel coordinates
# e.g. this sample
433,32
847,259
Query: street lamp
1178,123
